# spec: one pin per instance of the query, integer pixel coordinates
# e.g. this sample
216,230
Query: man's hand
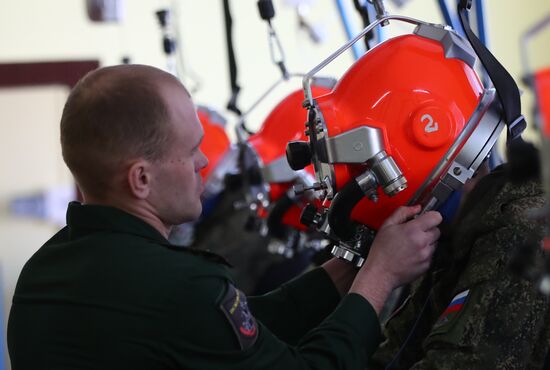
400,253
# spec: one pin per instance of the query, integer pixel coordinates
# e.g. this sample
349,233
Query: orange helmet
220,153
268,177
215,142
408,123
396,121
537,79
542,86
283,124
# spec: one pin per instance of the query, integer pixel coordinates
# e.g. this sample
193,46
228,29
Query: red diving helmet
216,147
215,142
268,178
538,80
542,87
408,123
285,123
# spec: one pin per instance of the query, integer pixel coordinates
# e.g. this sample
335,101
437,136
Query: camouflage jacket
470,311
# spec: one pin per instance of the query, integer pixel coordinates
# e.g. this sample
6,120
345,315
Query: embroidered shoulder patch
235,308
453,309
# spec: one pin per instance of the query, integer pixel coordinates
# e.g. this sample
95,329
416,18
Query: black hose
340,209
275,225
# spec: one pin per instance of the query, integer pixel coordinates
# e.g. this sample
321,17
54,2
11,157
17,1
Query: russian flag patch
453,309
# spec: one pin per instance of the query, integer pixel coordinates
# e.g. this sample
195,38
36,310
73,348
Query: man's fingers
432,235
401,215
428,220
426,255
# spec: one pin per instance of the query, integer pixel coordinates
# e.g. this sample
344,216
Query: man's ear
139,178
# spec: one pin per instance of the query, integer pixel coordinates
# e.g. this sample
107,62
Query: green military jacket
109,292
471,312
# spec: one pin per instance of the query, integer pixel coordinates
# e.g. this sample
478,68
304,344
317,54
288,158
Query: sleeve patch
453,309
235,308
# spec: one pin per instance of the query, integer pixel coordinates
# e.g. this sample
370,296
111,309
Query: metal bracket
454,45
354,146
465,156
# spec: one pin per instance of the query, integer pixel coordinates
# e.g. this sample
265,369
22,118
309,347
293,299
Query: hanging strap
267,13
364,13
235,88
505,86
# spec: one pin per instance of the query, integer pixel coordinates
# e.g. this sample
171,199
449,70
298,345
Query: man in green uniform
109,292
470,311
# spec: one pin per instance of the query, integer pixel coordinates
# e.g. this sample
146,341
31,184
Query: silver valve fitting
387,173
384,172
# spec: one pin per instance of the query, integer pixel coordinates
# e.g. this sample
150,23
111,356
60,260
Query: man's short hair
113,115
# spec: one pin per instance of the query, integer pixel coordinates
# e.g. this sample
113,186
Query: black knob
267,11
298,154
309,214
168,45
162,17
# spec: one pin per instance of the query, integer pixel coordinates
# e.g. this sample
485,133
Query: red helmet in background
539,82
217,147
283,124
215,142
542,92
537,79
542,87
408,123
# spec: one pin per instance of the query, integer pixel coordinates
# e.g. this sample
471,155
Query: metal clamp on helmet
353,250
356,250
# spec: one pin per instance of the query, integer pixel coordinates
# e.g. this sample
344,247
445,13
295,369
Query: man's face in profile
177,183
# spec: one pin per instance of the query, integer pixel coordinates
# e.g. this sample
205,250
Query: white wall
49,30
30,161
53,30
